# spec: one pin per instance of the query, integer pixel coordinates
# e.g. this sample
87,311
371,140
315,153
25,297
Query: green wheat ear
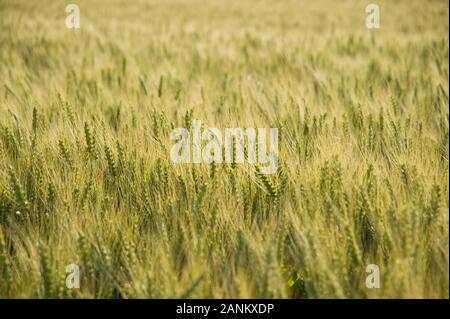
18,191
86,257
188,118
35,120
213,170
70,113
6,274
270,186
65,153
91,147
112,166
432,209
47,275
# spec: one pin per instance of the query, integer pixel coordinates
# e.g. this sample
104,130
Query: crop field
87,182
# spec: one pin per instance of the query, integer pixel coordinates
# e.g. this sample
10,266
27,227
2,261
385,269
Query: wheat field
86,176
